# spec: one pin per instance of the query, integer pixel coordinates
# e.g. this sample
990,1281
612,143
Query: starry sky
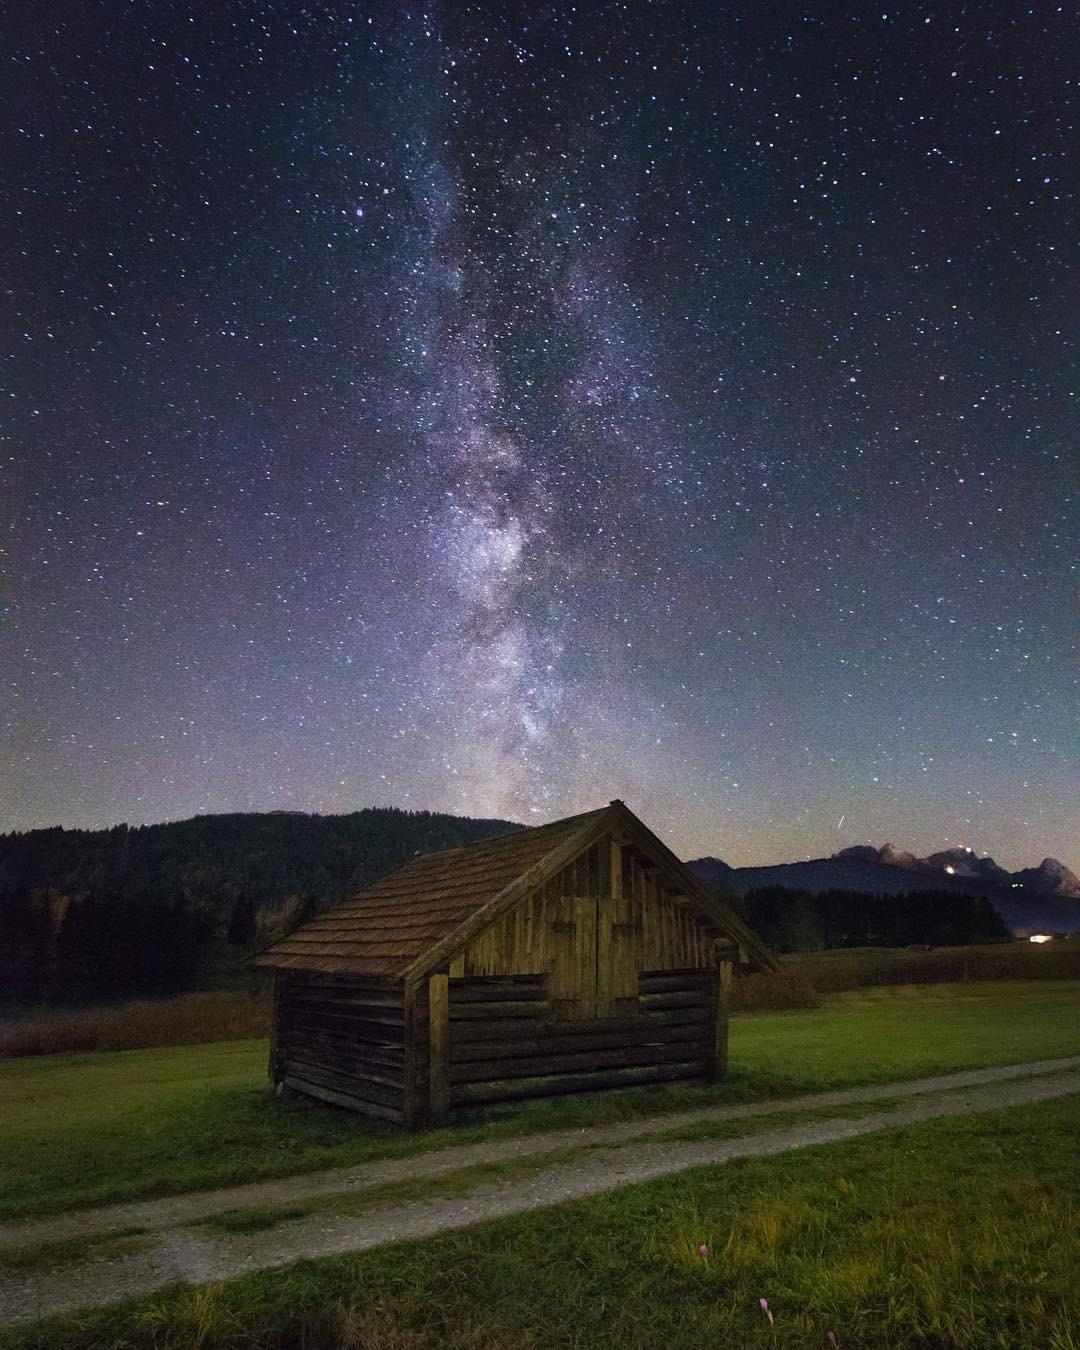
501,408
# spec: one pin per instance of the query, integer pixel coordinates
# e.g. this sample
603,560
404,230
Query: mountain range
1035,899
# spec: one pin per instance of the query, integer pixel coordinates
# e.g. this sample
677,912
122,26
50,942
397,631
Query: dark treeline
160,909
797,921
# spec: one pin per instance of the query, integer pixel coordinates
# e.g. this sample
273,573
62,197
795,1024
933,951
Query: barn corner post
411,1105
273,1067
719,1058
438,992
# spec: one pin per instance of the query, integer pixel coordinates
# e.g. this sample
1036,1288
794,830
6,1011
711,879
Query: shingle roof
382,929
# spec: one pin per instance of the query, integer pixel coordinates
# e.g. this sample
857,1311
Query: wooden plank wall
506,1043
643,927
343,1041
667,934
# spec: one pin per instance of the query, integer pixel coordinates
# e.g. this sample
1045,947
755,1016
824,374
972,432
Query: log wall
507,1043
343,1041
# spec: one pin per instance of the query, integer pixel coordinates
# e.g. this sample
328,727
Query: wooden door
573,966
595,953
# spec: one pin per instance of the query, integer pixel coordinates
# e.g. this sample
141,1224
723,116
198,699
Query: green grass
354,1203
257,1219
85,1129
73,1251
911,1031
952,1234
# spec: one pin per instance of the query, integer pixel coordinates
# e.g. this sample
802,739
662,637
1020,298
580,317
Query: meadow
802,982
82,1129
951,1234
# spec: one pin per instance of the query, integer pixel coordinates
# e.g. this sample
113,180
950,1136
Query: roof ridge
500,838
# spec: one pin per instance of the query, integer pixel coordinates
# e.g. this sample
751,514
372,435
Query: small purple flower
765,1309
830,1336
704,1249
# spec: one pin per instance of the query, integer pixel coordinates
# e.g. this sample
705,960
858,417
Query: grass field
216,1015
951,1234
84,1129
801,982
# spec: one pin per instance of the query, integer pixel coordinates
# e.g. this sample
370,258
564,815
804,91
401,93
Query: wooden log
325,1094
675,998
555,1043
337,1044
321,1052
379,1038
583,1061
335,1038
658,981
352,1025
526,988
511,1029
344,985
557,1084
516,1008
369,1086
350,1004
439,1048
390,1013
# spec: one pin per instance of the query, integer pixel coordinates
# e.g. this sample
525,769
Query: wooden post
439,1032
410,1107
723,1012
274,1066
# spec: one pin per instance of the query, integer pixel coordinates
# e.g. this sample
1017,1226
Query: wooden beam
439,1033
723,1016
273,1067
410,1107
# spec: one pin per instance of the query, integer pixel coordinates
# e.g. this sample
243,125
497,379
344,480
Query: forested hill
91,913
210,860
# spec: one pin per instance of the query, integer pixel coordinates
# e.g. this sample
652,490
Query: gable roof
417,916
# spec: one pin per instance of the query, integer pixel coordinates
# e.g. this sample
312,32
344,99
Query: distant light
950,870
1040,937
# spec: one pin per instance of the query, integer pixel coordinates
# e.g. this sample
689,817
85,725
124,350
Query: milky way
501,409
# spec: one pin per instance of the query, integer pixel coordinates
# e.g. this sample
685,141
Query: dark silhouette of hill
156,909
160,908
1044,898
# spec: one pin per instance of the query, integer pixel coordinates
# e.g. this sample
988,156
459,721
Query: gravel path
183,1254
196,1205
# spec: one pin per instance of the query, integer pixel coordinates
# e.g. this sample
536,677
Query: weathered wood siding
344,1041
593,927
507,1042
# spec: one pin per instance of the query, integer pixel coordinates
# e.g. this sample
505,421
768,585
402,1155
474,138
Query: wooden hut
567,957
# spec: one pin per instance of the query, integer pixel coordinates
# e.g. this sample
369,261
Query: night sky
500,409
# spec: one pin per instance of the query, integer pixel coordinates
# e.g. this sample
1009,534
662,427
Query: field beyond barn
802,982
91,1128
